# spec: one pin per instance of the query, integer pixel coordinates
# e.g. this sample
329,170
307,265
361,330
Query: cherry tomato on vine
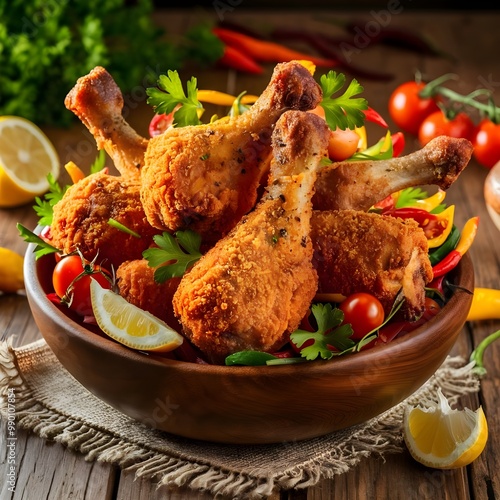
407,109
71,281
486,143
364,312
438,124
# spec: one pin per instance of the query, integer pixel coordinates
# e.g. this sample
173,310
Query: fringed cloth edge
382,435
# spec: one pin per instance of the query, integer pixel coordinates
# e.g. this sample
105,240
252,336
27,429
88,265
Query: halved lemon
444,438
130,325
27,156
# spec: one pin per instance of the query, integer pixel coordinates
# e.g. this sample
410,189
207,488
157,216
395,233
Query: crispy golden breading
356,251
135,280
207,177
81,219
251,289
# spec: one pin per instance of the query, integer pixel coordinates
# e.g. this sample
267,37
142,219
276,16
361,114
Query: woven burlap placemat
52,404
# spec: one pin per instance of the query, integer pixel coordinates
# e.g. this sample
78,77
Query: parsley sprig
169,95
175,254
41,246
330,332
44,206
344,111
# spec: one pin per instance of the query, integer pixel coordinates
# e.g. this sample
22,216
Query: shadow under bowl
247,405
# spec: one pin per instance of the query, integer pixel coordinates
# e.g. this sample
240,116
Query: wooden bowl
247,405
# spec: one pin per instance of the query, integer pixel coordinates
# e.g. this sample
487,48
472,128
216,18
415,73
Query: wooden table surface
49,471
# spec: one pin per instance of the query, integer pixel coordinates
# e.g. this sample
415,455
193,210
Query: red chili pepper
330,47
421,216
453,258
398,143
235,59
398,37
265,51
373,116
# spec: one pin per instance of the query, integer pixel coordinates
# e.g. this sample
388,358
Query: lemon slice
130,325
26,158
440,437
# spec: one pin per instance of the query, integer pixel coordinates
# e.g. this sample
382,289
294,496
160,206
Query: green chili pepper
450,244
249,358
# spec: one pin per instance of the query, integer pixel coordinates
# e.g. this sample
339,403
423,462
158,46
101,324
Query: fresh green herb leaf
99,162
59,41
238,108
344,111
42,247
118,225
169,94
44,206
329,333
176,253
382,150
407,197
249,358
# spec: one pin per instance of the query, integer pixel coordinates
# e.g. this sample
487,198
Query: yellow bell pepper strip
431,202
74,171
223,99
363,141
468,235
442,229
485,304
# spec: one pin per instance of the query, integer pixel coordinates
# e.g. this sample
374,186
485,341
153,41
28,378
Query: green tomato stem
435,88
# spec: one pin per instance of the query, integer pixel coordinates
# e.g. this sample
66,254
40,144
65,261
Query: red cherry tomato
437,124
363,311
71,283
486,143
342,144
160,123
407,109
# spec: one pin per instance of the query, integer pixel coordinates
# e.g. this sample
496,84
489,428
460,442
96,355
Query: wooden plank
47,470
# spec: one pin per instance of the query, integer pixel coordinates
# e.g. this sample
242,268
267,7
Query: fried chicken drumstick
81,219
98,102
357,251
359,185
252,288
206,177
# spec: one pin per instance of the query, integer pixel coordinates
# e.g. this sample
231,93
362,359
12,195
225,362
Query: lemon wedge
11,271
444,438
130,325
26,158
